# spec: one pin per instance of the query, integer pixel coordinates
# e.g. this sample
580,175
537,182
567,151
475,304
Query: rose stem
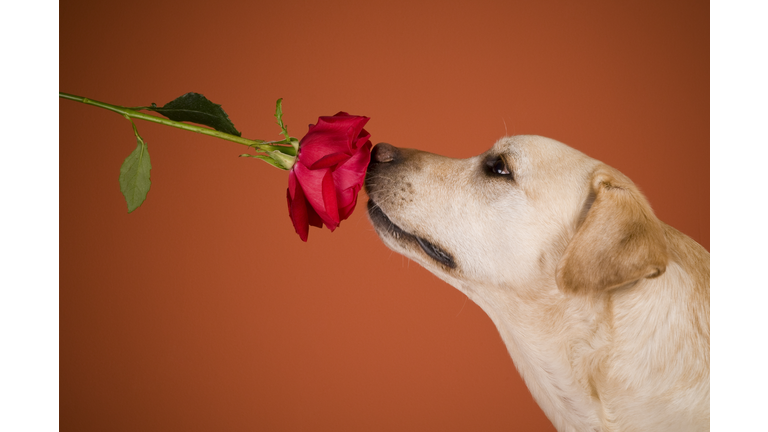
128,112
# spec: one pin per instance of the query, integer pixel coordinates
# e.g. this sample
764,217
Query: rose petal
312,185
314,218
330,160
336,134
354,124
329,198
352,172
349,199
362,138
297,207
317,146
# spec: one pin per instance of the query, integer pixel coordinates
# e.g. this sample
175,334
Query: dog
603,308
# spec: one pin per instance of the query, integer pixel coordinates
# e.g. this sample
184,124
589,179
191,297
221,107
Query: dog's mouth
383,223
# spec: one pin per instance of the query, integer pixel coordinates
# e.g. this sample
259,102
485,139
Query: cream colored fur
603,308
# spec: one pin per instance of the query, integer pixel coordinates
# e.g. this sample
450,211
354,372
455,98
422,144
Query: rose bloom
329,172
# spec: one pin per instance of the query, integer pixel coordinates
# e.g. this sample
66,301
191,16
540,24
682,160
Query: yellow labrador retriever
603,307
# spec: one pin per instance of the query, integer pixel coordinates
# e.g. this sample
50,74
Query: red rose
329,171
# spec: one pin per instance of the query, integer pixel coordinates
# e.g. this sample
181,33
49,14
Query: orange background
203,310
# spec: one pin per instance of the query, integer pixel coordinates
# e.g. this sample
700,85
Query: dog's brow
503,146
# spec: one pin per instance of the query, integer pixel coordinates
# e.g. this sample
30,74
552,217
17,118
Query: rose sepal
285,161
295,143
266,159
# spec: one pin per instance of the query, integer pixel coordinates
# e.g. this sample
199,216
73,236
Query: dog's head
529,209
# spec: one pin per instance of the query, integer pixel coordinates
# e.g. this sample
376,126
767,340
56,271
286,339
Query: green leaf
279,116
134,174
196,108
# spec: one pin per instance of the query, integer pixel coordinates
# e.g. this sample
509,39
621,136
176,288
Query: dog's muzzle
386,156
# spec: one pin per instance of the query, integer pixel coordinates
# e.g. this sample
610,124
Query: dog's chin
387,230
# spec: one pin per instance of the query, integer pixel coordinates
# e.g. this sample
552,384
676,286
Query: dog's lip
381,220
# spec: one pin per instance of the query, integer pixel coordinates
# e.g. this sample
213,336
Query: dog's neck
566,349
570,401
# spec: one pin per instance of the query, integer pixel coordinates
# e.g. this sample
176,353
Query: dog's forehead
527,144
505,145
538,150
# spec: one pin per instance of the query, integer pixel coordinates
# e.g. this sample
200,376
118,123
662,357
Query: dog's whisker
462,305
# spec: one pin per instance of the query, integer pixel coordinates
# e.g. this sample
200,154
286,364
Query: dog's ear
618,240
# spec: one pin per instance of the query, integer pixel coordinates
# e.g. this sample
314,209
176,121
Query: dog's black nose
383,153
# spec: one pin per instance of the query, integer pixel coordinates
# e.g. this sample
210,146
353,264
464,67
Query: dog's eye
498,166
